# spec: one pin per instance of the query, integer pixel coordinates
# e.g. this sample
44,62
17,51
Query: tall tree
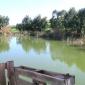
54,14
36,23
4,20
68,18
57,19
26,22
81,15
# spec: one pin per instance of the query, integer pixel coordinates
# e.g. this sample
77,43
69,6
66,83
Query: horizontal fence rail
29,76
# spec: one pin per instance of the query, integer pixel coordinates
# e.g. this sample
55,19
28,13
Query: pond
56,56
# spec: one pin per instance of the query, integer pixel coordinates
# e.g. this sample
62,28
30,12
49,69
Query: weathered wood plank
53,74
38,77
43,71
55,80
22,82
11,73
2,74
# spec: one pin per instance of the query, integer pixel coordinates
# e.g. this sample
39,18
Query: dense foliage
71,23
4,20
37,24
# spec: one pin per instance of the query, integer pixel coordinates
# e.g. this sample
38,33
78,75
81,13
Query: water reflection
57,56
42,54
36,44
69,55
57,50
4,44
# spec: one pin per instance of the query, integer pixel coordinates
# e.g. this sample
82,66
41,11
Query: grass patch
14,30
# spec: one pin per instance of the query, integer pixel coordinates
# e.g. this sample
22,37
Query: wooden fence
29,76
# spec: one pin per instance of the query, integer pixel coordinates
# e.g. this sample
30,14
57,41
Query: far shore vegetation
63,25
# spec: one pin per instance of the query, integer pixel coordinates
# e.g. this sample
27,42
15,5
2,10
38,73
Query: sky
16,10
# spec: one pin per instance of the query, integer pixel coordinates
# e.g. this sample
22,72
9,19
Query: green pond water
56,56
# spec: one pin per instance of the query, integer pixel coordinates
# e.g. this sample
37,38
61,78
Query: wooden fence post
69,80
2,74
11,73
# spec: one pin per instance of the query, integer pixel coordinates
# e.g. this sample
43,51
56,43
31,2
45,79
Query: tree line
37,24
71,23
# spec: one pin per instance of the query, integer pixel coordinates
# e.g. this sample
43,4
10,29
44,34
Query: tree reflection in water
58,50
4,43
68,54
34,43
